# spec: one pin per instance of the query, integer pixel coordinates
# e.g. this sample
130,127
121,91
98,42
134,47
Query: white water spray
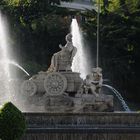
15,64
6,93
4,67
80,63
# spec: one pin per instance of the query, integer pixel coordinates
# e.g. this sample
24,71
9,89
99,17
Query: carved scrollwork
55,83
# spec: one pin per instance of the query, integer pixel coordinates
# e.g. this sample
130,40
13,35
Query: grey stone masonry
83,126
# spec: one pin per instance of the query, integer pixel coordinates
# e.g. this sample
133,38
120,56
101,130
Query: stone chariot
59,89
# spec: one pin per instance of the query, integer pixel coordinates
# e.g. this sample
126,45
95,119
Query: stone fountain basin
77,126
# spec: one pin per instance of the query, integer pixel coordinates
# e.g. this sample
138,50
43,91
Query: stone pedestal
59,92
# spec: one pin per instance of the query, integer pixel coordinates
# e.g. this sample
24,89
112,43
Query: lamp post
98,33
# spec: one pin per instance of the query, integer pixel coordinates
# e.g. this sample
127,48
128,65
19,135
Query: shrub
12,122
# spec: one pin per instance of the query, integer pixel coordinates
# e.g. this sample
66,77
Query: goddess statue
62,60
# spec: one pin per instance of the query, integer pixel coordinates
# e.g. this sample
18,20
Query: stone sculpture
55,83
93,82
61,90
62,60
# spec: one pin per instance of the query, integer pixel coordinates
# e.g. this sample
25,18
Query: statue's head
69,37
97,70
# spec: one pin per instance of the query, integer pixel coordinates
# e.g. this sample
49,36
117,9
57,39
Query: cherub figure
93,82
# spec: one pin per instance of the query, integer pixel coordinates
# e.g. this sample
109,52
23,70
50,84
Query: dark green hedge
12,122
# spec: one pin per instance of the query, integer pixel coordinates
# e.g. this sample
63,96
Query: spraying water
119,96
80,63
4,67
15,64
6,89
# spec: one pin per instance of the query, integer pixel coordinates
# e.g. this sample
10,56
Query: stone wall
82,126
85,136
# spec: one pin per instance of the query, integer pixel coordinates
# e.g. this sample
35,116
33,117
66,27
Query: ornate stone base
91,103
60,103
64,103
59,92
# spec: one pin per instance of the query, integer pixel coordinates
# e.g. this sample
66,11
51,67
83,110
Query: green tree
38,27
119,37
12,122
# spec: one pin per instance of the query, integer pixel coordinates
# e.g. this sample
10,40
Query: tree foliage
37,28
119,42
12,122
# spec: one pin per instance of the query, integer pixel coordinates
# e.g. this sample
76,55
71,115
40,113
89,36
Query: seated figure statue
62,60
93,82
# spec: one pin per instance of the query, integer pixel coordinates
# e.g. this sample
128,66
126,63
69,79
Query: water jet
6,89
59,103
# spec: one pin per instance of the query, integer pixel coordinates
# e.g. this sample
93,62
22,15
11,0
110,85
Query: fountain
6,86
80,62
15,64
64,105
4,73
120,98
61,104
60,89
